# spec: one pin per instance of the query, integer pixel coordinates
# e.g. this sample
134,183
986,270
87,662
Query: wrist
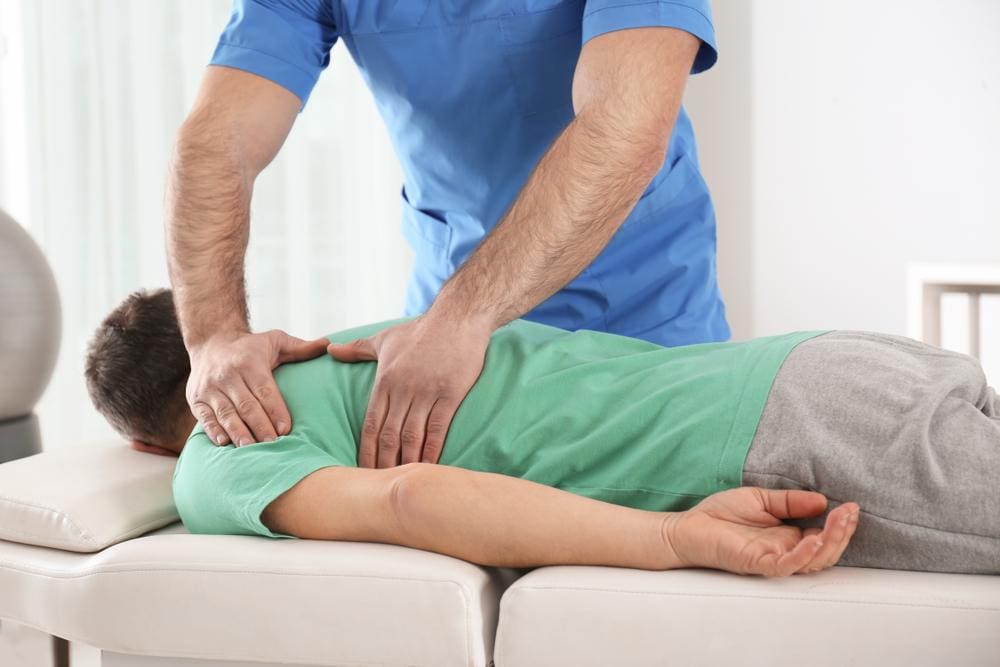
669,526
218,335
466,322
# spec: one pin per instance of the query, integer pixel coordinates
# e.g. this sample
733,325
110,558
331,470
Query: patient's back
604,416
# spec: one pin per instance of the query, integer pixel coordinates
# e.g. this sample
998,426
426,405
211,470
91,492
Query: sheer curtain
92,94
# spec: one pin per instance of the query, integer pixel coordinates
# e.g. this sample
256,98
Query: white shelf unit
928,283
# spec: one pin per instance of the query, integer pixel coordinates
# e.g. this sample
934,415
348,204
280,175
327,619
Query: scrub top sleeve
693,16
285,41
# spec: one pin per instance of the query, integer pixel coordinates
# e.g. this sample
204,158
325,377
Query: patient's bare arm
498,520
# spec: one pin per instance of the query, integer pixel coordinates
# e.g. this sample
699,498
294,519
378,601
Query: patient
588,448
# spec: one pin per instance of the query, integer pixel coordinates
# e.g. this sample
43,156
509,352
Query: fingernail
282,428
219,439
844,519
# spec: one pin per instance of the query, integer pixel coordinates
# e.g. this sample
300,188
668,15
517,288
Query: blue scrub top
473,92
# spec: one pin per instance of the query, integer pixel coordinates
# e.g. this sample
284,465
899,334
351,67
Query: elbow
206,148
409,484
651,141
200,144
636,146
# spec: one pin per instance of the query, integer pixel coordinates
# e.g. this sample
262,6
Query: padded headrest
85,498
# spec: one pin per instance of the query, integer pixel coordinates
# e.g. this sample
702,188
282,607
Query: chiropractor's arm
499,520
238,123
626,92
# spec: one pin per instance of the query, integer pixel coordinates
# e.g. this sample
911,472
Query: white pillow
85,498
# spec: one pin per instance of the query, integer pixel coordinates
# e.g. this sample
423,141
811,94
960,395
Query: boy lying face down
588,448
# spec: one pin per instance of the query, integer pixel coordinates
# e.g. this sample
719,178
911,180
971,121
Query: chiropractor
550,173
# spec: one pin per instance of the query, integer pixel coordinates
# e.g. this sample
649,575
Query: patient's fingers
782,565
836,534
388,437
852,526
374,416
411,436
438,422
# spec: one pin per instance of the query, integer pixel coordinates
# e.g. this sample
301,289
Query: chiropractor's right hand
232,391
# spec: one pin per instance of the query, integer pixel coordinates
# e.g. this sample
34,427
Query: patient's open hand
741,531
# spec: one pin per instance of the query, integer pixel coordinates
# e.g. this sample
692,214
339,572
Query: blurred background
844,142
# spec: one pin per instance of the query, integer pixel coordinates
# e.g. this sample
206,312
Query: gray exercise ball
30,331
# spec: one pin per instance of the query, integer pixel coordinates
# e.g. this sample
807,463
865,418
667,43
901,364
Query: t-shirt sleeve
285,41
224,490
693,16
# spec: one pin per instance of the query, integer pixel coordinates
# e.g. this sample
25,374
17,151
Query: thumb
362,349
292,349
793,504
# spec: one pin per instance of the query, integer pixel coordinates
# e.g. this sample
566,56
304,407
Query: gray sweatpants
908,431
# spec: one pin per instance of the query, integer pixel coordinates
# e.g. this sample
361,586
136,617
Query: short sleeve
224,490
693,16
285,41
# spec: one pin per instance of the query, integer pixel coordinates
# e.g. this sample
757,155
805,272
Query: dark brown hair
137,367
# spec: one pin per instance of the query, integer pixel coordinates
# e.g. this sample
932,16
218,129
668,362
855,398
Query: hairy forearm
627,92
207,228
579,194
235,128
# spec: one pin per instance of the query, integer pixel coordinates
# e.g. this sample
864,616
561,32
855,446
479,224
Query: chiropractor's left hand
426,367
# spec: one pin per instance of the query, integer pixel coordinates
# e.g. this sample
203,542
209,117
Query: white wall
719,103
874,136
877,144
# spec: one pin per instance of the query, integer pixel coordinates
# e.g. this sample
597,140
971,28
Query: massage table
91,551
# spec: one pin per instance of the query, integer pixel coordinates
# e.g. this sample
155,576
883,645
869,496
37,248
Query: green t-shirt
604,416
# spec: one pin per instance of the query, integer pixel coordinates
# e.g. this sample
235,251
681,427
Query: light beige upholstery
85,498
257,599
585,616
219,597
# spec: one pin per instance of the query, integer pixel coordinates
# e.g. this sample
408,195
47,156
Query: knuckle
202,411
225,412
370,427
241,361
263,392
246,406
409,437
387,440
437,425
234,430
230,422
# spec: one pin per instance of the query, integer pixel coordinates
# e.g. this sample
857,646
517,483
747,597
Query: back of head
137,368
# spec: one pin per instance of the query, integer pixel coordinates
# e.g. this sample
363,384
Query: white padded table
74,563
843,616
255,599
